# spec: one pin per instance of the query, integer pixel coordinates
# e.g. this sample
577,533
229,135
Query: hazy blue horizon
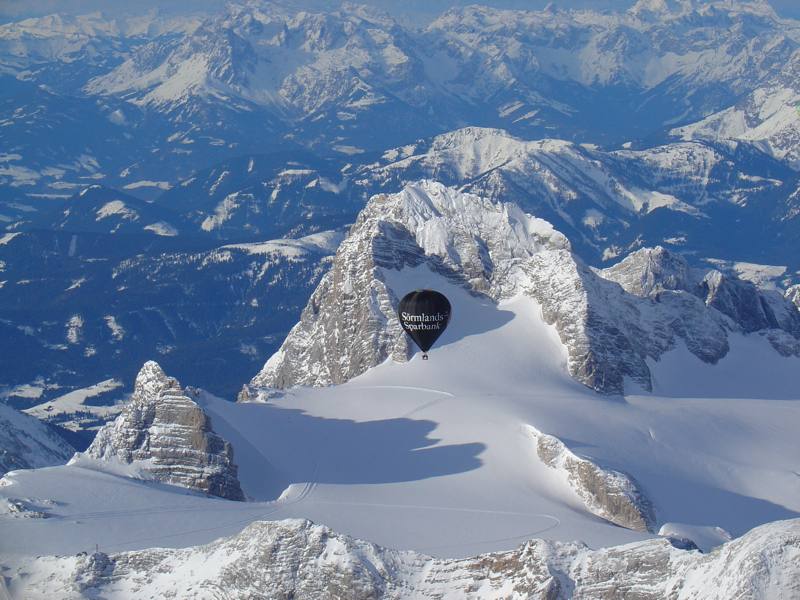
412,10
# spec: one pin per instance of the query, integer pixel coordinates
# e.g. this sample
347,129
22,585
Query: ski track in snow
402,387
274,507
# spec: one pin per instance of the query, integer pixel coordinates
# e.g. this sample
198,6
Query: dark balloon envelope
424,315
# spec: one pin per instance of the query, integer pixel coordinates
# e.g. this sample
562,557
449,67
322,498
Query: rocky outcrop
793,295
27,443
650,272
298,559
610,494
610,321
350,322
165,436
25,508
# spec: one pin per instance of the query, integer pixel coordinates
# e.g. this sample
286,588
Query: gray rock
793,295
650,271
610,494
740,300
300,560
168,438
610,321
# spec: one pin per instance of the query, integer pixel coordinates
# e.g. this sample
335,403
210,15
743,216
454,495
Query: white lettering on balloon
423,322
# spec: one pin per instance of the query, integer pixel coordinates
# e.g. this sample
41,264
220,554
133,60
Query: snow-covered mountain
488,444
768,116
612,322
32,43
356,61
681,195
168,96
611,202
27,443
302,560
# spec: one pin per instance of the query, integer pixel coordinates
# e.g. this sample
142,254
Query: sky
404,9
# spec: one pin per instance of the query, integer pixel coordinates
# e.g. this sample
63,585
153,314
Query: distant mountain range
166,97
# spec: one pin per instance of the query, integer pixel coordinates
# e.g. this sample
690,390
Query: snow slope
71,410
27,443
434,455
767,116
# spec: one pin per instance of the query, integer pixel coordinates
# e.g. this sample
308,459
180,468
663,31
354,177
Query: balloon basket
424,356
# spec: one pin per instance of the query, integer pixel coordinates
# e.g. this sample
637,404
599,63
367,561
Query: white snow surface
324,241
162,228
74,403
26,443
7,237
146,183
435,456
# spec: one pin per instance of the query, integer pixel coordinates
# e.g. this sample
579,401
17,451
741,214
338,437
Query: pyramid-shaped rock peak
168,437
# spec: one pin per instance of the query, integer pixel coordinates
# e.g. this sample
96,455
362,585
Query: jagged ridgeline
611,321
267,559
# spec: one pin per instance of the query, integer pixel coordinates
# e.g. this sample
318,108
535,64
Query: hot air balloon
424,315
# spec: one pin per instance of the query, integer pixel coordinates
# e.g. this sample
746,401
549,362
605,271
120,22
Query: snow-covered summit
605,201
611,322
661,9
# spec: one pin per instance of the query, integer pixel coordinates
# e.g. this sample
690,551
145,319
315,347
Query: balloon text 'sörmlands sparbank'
424,321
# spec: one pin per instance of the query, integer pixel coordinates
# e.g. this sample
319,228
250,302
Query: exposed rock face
350,323
610,494
610,320
301,560
793,295
168,438
24,508
649,272
27,443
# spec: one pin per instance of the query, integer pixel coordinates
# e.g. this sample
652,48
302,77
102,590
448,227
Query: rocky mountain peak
466,239
151,382
649,271
163,435
610,321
